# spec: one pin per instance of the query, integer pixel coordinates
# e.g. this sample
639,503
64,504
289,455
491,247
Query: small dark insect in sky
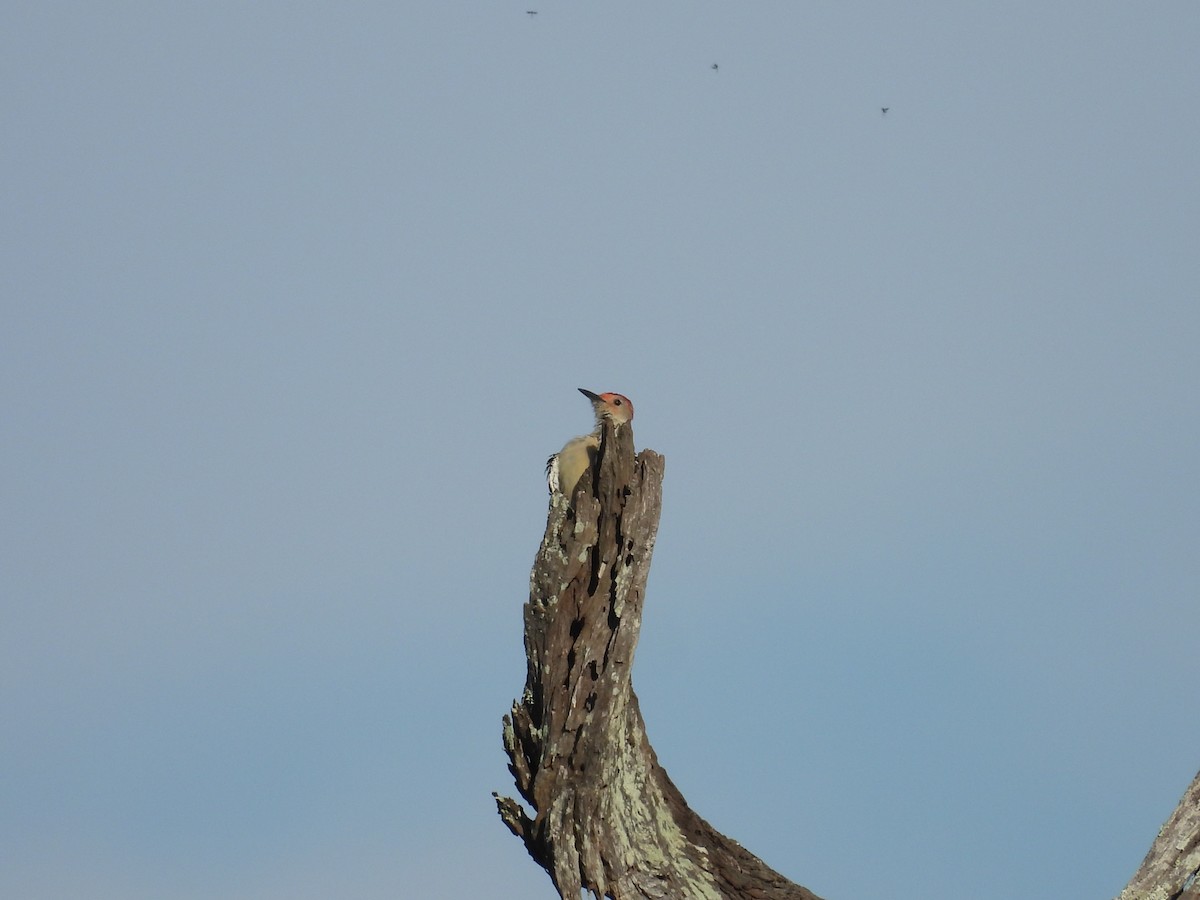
715,67
884,109
531,12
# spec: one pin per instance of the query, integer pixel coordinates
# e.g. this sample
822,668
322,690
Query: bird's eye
617,402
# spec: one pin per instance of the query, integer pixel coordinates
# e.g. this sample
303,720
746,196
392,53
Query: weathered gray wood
606,817
1171,870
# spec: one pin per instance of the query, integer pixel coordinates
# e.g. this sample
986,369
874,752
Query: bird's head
614,407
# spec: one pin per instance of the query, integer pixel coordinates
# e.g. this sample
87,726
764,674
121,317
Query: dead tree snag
606,817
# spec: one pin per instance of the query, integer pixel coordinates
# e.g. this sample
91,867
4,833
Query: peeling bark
606,817
1171,870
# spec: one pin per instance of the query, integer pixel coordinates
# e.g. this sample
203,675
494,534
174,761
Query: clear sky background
296,298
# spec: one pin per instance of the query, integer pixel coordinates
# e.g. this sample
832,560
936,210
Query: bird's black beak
595,398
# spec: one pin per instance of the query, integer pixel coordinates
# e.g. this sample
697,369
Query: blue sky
296,300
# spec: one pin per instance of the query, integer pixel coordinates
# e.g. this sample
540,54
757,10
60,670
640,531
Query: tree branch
1171,870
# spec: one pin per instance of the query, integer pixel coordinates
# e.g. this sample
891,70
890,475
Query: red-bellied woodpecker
566,467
